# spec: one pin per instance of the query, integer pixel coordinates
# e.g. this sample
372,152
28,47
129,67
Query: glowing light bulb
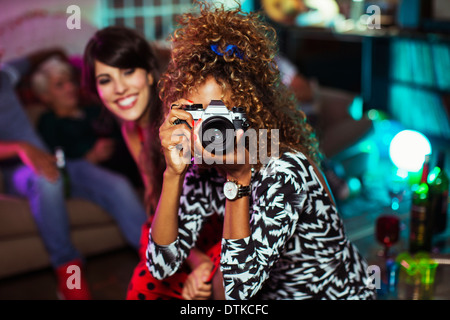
408,149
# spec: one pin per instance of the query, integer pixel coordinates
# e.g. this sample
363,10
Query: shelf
356,36
419,86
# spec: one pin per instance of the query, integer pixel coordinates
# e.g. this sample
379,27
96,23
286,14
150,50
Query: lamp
408,149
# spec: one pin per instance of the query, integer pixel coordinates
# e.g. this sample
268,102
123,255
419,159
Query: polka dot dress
143,286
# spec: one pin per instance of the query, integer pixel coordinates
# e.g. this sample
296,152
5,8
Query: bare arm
237,217
165,223
9,150
39,161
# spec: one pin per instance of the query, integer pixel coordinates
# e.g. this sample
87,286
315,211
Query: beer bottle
420,233
438,182
61,164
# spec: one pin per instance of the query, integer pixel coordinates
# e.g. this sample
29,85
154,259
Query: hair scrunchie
229,50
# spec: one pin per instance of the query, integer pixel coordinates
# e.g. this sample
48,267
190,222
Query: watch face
230,189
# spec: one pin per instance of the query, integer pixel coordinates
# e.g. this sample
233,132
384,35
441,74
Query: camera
217,130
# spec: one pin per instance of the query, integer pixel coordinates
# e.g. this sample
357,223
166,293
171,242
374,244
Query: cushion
16,219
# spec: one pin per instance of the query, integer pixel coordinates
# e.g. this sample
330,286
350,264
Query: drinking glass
387,231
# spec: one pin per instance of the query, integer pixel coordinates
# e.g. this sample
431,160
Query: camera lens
217,134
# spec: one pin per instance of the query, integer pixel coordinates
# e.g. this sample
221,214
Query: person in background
29,170
70,126
123,70
283,237
326,108
305,92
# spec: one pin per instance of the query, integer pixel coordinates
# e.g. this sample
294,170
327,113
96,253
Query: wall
29,25
10,9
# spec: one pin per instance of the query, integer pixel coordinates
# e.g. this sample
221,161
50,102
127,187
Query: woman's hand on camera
234,164
174,136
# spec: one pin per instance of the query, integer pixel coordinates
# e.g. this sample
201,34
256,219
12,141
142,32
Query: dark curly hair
250,73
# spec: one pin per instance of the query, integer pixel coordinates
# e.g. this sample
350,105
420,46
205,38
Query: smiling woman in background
123,69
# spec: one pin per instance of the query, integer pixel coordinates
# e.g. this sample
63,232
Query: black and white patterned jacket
297,248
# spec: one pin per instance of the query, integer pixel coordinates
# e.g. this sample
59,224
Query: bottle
61,164
438,182
420,220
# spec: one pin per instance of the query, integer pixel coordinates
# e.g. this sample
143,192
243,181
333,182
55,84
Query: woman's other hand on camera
176,138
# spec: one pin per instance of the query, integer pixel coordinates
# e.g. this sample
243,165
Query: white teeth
127,101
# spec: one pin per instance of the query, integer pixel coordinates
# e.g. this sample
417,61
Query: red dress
143,286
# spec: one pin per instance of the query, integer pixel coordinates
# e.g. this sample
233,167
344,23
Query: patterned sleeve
164,260
278,198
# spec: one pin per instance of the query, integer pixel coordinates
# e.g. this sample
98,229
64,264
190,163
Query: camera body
217,131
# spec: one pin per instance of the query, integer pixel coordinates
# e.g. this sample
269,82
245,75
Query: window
155,19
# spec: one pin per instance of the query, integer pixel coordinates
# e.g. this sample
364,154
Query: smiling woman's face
125,92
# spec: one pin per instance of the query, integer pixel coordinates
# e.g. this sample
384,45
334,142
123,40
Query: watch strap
243,191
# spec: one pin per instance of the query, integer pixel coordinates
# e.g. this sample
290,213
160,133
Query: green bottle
438,182
61,164
420,233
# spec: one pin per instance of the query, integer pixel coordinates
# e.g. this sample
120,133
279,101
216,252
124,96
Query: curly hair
250,74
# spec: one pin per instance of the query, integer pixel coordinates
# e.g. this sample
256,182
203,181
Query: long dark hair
124,48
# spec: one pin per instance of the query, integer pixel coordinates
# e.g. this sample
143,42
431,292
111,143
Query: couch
21,249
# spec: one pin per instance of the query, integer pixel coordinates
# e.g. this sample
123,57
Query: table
361,231
411,288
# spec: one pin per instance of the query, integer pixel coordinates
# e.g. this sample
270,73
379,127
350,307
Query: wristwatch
233,190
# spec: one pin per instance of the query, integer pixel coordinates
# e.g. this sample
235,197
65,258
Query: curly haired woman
283,237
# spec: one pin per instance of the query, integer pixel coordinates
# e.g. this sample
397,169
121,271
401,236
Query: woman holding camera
282,236
123,69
